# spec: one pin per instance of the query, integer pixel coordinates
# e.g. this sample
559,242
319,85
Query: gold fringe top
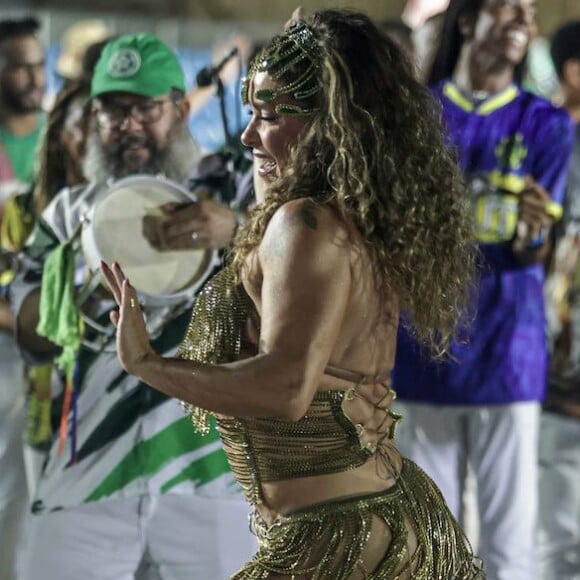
260,450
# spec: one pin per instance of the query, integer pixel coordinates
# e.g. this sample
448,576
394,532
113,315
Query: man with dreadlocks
360,212
22,82
481,407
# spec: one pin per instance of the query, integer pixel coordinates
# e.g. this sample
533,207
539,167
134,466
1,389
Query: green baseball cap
139,64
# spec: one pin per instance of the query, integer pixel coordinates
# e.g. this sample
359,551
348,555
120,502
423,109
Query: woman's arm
305,270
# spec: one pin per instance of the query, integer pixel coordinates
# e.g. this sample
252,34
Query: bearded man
132,492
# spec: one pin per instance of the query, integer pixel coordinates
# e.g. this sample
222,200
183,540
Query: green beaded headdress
298,50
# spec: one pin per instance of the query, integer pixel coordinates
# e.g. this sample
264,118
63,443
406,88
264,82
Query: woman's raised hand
133,346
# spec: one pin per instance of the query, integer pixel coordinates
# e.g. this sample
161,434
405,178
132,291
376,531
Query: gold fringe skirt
405,532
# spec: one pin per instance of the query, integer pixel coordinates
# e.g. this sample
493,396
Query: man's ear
183,108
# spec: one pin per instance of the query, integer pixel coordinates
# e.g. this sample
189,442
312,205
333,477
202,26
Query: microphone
208,74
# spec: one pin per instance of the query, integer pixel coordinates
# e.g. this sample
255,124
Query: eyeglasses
110,115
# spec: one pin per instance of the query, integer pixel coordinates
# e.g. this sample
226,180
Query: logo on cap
124,63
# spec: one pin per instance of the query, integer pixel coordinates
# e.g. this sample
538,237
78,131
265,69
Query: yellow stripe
498,101
455,95
487,107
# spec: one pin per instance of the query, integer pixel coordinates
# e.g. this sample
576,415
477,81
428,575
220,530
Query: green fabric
21,150
59,318
139,64
200,471
148,458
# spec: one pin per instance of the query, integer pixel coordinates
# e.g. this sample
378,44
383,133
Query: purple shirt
501,358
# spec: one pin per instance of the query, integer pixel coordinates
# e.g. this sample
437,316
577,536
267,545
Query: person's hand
206,224
231,70
133,346
295,17
533,217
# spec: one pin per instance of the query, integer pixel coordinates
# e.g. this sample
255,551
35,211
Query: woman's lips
265,165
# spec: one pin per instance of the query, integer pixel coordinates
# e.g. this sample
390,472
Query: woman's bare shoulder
306,228
306,214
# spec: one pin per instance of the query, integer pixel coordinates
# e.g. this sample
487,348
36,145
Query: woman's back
364,342
344,439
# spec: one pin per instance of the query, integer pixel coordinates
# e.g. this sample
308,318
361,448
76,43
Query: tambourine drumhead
114,232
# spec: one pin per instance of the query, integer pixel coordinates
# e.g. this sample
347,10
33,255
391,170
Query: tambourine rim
145,179
88,238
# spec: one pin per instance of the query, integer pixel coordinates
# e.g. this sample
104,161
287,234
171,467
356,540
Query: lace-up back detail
323,441
341,430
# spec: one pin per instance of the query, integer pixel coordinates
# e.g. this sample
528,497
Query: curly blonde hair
375,150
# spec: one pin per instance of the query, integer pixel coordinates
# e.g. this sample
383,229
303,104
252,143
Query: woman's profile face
270,135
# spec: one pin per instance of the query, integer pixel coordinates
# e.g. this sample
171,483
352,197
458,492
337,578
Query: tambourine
113,231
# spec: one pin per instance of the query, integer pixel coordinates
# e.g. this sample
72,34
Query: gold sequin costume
329,540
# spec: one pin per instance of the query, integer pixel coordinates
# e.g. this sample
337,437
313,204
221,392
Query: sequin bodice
261,450
269,449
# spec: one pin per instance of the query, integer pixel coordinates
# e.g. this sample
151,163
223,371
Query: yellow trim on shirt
486,107
455,95
515,184
498,101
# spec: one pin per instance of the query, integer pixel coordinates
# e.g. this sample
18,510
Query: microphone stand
230,151
220,91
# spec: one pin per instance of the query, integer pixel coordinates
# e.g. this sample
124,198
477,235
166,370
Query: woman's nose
249,135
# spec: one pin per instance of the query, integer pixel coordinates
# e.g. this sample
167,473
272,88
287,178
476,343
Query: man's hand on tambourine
206,224
200,225
133,346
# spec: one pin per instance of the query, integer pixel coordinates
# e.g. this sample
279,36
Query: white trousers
12,529
169,537
499,443
13,488
559,515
